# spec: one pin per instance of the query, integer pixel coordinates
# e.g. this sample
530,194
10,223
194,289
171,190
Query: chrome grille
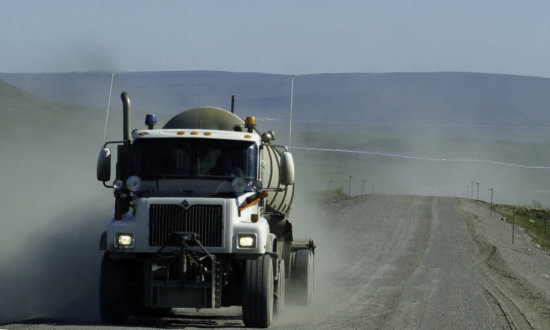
205,220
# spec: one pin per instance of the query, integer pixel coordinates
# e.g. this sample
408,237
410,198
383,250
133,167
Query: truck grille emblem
186,205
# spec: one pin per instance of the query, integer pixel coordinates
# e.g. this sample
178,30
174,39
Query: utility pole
329,183
491,212
477,197
349,190
363,189
472,190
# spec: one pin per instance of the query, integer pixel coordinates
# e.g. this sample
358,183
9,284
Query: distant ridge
15,102
439,97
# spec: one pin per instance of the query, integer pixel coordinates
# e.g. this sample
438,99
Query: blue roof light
150,120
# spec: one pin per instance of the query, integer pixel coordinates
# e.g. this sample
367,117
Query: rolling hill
438,98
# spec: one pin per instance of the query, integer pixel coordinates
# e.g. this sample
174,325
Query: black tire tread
303,277
279,303
113,304
258,292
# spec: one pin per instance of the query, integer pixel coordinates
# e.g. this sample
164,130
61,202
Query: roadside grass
531,219
333,195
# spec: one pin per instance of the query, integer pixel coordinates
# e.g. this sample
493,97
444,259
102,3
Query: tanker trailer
201,220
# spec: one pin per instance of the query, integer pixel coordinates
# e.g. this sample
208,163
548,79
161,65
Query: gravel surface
406,262
518,272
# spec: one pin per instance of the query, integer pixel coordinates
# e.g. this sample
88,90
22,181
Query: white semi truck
200,220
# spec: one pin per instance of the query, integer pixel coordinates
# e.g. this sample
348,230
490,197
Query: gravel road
428,263
407,262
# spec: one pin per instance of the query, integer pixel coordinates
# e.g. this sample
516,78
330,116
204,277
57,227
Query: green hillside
16,102
26,115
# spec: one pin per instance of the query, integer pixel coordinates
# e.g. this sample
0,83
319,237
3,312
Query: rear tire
304,277
279,304
156,312
113,291
258,292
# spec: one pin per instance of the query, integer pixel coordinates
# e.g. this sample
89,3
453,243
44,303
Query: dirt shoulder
518,273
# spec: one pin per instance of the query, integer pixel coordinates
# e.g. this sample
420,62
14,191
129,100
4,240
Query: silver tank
279,197
206,118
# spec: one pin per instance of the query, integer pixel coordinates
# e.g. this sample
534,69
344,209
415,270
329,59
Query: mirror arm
113,142
285,148
107,186
274,189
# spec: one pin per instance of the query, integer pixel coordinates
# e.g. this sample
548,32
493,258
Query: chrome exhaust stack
125,116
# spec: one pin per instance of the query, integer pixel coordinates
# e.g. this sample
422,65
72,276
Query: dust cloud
53,213
318,171
394,175
54,210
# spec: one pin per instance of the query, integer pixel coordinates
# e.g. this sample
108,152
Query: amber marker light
250,123
207,133
247,136
142,133
250,120
181,133
194,133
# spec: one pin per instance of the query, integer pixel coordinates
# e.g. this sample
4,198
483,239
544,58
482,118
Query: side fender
270,244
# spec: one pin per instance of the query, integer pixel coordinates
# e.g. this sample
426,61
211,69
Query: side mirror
286,171
104,165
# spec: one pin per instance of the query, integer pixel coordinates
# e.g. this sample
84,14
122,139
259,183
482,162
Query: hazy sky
282,36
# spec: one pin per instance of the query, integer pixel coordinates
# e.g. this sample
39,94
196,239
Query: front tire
258,292
113,291
279,305
155,312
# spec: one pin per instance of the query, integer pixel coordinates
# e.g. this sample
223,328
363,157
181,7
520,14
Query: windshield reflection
194,158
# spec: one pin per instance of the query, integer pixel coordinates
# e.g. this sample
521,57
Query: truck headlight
125,240
246,240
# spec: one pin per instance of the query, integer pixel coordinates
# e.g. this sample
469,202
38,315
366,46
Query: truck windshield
195,158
